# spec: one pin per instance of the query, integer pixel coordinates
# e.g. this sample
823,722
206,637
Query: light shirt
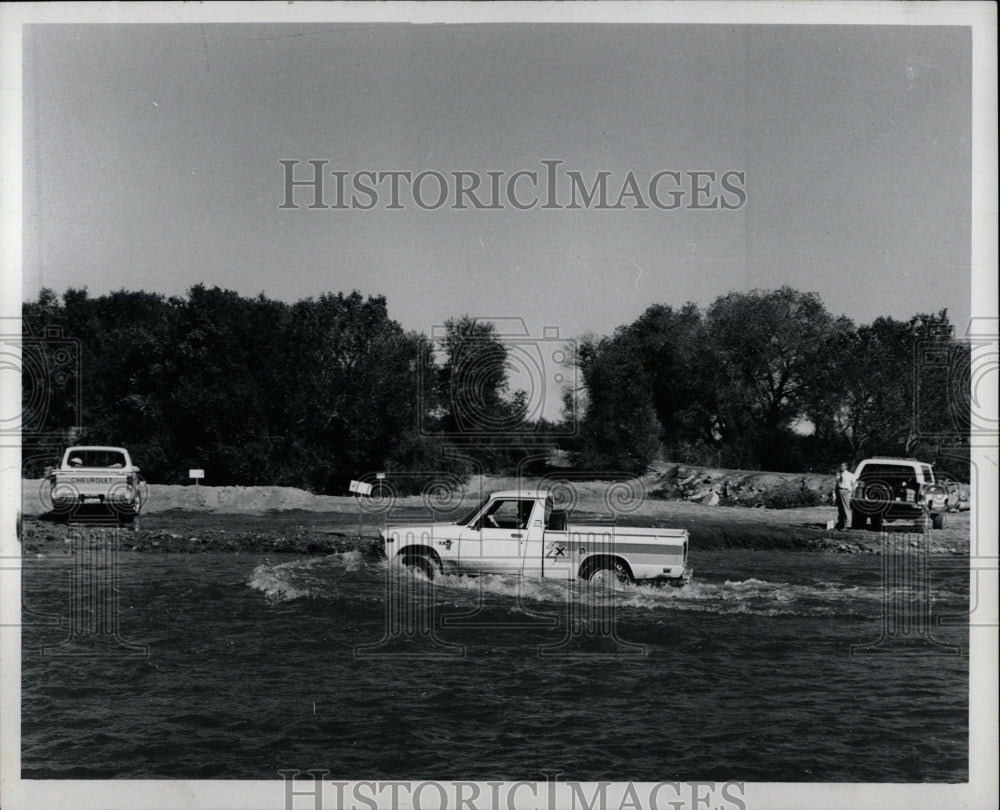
845,479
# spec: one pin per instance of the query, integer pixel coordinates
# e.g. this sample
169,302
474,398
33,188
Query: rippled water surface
341,663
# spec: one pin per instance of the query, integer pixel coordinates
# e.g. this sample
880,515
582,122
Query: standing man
842,489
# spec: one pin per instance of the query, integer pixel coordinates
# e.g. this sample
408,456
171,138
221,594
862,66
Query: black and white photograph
483,405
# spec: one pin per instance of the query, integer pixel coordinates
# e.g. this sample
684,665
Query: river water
771,666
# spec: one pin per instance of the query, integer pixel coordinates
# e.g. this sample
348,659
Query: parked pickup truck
100,476
518,532
890,489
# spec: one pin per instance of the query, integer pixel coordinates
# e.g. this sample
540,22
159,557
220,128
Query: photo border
981,791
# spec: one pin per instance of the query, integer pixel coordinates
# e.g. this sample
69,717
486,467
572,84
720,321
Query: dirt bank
195,519
617,493
212,500
306,532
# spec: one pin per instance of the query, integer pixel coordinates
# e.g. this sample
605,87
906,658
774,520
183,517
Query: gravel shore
304,532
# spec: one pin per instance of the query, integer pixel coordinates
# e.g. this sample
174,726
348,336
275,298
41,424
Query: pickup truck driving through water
97,476
519,532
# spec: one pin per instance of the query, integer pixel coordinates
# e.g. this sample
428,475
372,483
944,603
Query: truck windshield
468,516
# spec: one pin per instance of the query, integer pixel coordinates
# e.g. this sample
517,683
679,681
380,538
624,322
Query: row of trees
771,380
311,394
257,391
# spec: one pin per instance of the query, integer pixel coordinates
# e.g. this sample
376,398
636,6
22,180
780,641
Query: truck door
547,551
494,542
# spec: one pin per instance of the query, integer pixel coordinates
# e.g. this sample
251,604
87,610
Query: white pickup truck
518,532
99,476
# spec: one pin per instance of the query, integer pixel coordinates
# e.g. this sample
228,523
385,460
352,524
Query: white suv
890,489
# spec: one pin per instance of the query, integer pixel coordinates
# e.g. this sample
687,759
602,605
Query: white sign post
196,475
360,488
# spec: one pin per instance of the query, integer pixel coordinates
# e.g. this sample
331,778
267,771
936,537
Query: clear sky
151,162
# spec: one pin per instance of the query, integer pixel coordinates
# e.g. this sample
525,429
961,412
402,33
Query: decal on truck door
554,550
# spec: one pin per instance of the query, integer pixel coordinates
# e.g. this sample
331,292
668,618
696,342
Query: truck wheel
414,562
939,520
610,573
858,520
876,523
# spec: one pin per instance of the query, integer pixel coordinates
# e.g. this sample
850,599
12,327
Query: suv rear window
888,472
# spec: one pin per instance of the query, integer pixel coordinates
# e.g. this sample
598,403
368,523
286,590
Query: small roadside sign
196,474
361,488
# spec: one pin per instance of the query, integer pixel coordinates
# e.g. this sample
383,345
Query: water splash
351,576
312,577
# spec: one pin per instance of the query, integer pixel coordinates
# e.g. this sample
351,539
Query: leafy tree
51,377
352,390
217,399
764,350
668,345
866,397
619,431
252,390
472,384
473,403
894,387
